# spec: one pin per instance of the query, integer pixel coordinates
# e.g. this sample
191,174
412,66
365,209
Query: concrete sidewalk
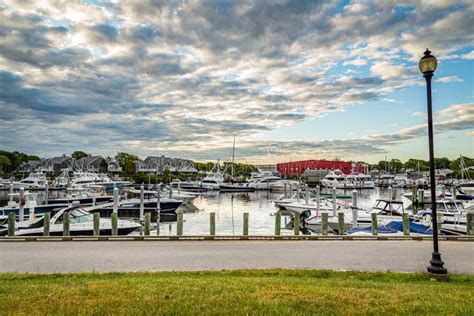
405,255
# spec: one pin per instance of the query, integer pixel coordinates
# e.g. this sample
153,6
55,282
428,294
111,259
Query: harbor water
230,207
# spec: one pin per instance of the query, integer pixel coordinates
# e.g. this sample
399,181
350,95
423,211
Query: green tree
442,163
395,165
127,162
78,154
5,163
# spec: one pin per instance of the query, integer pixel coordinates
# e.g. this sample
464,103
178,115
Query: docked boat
358,181
401,181
387,210
235,187
35,181
385,180
334,179
29,204
81,224
167,205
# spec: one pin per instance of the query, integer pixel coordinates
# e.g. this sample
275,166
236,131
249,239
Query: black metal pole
436,264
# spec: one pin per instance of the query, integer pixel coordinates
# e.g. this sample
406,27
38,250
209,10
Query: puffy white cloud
449,79
196,72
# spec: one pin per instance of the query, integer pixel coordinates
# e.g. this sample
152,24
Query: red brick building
298,167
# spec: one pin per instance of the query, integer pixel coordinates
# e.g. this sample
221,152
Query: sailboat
234,187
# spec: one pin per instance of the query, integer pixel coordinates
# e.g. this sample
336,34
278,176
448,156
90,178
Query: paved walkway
409,256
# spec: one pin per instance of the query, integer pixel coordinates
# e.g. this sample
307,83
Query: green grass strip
242,292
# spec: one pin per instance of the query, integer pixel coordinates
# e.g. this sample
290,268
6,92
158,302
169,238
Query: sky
291,80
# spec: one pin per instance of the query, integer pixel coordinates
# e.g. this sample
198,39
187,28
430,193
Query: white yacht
358,181
268,181
401,181
214,178
36,180
334,179
81,180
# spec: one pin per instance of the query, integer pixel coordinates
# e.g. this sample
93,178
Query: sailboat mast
233,152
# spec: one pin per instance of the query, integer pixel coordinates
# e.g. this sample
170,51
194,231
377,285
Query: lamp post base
436,264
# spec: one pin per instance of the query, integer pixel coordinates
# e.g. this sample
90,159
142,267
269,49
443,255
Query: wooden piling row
246,224
11,224
66,224
469,224
324,224
296,224
46,224
114,222
96,220
147,223
278,223
374,224
179,224
212,224
406,224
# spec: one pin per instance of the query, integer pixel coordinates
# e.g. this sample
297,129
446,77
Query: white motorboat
214,178
334,179
401,181
36,180
81,224
358,181
386,210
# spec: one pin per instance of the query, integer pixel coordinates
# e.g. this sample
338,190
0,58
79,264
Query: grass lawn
236,292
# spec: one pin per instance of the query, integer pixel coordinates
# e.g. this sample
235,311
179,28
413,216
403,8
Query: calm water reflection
229,209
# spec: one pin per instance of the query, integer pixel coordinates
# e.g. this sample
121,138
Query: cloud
184,76
449,79
469,55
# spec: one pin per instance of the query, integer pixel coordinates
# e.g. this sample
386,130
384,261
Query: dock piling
158,209
114,222
296,224
469,224
142,206
324,223
374,224
212,224
246,224
66,224
179,224
46,192
21,211
46,223
354,208
318,198
116,200
147,223
406,224
340,220
11,224
96,218
11,192
306,194
334,202
277,224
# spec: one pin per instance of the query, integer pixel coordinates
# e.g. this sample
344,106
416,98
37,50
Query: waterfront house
159,164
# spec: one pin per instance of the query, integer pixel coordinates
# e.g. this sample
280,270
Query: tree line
396,165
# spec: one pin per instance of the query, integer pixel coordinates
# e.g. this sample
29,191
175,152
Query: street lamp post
427,66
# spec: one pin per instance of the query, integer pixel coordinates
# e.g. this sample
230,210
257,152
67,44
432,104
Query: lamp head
428,63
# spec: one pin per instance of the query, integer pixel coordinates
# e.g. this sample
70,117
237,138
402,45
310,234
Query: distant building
159,164
91,163
299,167
30,165
271,168
56,164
